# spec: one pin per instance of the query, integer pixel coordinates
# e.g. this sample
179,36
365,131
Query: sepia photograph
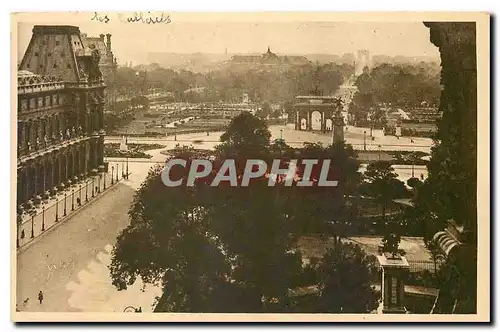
250,167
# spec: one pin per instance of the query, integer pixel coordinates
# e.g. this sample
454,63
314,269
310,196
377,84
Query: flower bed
134,150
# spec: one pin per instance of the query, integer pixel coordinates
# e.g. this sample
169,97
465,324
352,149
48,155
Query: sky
246,34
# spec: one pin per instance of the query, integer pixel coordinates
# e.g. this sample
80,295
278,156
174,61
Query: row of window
37,102
55,65
62,54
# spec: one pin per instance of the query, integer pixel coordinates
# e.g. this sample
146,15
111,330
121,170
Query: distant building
363,62
269,58
316,112
60,95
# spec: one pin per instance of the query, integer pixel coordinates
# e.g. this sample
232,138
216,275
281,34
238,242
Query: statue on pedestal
123,144
83,75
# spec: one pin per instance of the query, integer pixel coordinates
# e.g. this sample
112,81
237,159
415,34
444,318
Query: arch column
43,170
26,183
64,166
57,170
69,165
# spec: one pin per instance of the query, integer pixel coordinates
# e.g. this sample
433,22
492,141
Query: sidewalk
65,204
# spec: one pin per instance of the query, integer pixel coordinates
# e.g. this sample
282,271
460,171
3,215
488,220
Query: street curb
63,220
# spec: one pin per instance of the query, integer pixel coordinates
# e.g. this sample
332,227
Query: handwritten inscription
100,18
146,18
137,17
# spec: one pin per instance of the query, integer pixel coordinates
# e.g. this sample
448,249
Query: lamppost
379,151
123,168
281,134
32,225
86,191
72,199
93,179
104,180
117,171
43,218
80,201
57,210
112,174
99,183
64,212
127,170
364,140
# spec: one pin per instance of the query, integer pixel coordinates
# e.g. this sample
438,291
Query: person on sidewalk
40,297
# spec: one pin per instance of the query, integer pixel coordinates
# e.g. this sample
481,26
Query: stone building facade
107,64
60,136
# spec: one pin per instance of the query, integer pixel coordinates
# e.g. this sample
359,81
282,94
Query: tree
390,243
383,185
247,136
288,107
168,243
346,273
203,244
264,111
312,207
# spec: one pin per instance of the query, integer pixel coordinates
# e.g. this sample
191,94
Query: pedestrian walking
22,234
40,297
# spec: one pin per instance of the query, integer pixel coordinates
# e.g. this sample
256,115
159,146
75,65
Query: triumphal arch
316,113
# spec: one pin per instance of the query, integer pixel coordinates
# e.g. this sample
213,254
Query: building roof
58,52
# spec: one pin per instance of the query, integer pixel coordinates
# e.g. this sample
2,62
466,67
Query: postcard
250,167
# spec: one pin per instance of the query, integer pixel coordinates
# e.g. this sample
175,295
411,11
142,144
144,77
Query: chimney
108,43
101,36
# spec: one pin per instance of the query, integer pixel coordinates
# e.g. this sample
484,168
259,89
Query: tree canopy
226,249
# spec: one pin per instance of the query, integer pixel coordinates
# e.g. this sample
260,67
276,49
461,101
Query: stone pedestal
394,272
338,128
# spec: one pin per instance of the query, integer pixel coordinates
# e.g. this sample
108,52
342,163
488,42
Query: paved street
69,263
61,207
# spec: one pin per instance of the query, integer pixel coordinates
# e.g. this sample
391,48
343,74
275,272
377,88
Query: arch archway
57,171
303,124
316,120
329,124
